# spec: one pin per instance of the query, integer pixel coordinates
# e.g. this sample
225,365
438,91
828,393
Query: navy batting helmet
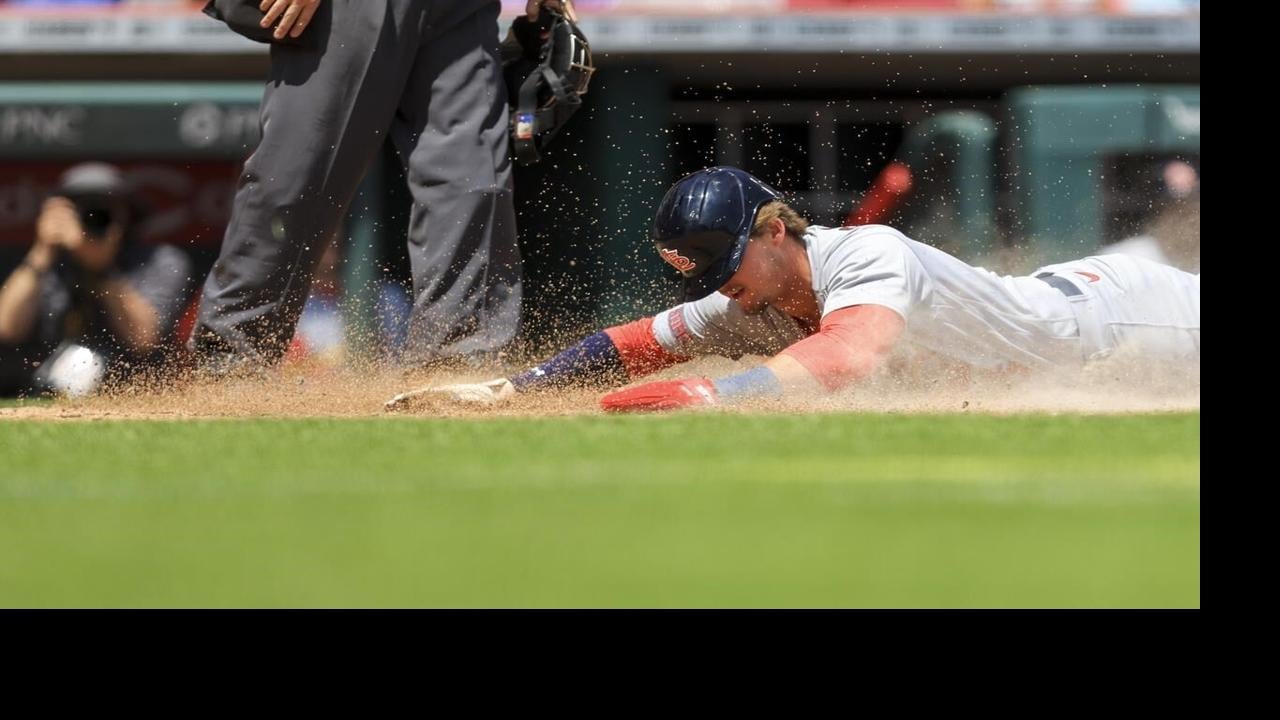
703,224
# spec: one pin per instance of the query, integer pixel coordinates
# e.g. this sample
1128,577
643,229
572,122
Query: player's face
760,278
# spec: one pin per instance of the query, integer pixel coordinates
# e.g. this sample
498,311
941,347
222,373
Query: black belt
1061,284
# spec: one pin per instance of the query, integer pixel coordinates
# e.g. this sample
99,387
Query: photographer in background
88,304
1171,232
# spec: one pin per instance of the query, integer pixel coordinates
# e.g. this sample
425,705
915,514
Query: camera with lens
95,218
102,196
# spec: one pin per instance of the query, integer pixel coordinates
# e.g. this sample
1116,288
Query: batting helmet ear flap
547,68
704,222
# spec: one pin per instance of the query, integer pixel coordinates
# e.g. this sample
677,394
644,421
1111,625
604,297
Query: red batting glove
665,395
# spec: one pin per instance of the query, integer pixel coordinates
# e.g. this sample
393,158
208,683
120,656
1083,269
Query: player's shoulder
855,234
842,243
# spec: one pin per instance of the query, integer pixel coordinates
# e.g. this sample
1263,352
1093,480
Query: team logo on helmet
676,260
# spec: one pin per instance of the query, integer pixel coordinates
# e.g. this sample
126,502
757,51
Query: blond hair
776,209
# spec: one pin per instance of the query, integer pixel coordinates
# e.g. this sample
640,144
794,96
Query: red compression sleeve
848,345
639,349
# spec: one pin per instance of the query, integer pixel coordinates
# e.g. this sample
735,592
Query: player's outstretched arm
850,345
610,357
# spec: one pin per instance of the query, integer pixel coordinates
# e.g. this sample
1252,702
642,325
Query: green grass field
690,510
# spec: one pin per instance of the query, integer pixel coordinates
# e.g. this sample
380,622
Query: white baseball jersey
965,312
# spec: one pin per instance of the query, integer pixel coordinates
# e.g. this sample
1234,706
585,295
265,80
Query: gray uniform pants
427,74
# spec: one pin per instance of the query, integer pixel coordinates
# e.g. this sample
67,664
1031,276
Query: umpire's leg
452,131
326,111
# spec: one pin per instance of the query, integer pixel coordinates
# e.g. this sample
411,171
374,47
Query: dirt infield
1113,386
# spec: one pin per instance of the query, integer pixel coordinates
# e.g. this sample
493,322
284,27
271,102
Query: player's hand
532,7
482,394
294,16
664,395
